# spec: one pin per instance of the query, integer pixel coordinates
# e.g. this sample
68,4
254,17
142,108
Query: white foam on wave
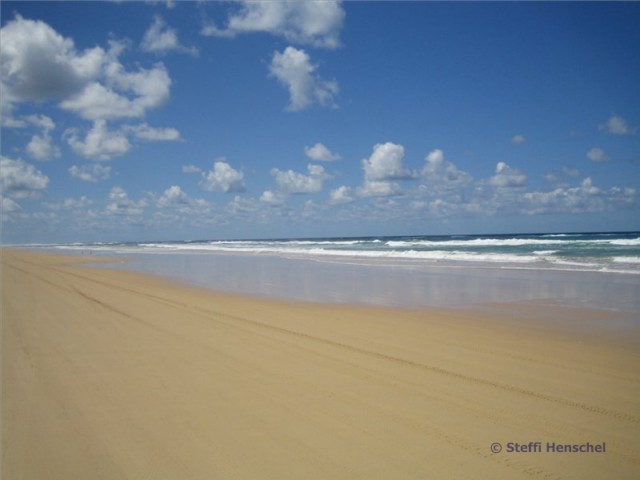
434,255
376,251
508,242
630,242
627,260
477,242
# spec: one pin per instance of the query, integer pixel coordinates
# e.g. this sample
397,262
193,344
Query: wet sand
381,282
115,374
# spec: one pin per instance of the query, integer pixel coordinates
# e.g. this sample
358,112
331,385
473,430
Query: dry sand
113,374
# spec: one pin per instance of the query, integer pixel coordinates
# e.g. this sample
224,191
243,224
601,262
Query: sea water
589,270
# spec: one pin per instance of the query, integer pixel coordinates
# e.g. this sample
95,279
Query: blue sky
194,120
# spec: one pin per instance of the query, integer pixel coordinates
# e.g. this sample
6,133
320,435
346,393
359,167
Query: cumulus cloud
377,188
293,182
385,163
312,22
175,207
442,174
596,154
341,195
320,153
41,147
99,143
191,169
76,203
8,206
19,179
581,199
571,172
382,168
121,204
145,132
616,125
173,196
567,171
518,139
39,64
160,38
272,198
42,121
294,70
223,178
148,88
91,172
507,177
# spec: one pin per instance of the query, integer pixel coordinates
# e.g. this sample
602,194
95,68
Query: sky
130,121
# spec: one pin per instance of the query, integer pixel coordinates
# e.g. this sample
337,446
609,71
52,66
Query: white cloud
581,199
145,132
294,70
41,147
39,64
223,178
596,154
341,195
518,139
293,182
383,166
191,169
121,204
76,203
321,153
317,23
616,125
149,88
100,143
8,206
442,174
242,207
173,196
42,121
507,177
176,208
20,179
160,38
96,101
91,172
567,171
170,4
571,172
272,198
385,163
376,188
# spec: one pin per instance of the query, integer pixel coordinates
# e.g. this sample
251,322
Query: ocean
594,252
598,271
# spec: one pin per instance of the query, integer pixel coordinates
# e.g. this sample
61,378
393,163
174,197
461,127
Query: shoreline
112,373
393,285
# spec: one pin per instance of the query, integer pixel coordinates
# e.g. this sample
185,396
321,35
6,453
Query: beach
110,373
